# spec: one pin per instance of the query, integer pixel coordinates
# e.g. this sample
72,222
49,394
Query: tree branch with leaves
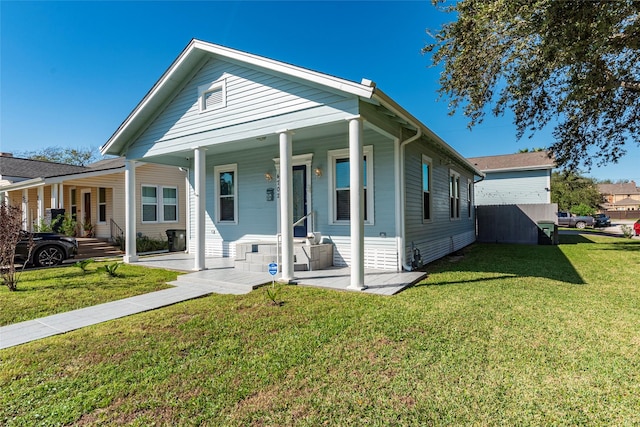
571,64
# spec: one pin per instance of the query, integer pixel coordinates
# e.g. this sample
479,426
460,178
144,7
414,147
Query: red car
636,228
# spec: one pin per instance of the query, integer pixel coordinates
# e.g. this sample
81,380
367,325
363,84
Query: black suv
48,248
601,220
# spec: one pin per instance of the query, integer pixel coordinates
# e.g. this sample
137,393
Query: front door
300,200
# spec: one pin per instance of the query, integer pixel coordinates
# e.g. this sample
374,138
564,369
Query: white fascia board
394,107
82,175
23,185
518,169
167,77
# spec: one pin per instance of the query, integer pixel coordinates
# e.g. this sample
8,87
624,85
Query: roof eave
393,106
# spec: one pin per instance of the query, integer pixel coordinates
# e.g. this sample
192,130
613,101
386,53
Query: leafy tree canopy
573,192
575,64
70,156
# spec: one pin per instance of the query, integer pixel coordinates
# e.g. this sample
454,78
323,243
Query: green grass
55,290
505,334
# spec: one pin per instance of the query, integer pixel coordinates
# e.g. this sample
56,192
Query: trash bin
177,240
547,233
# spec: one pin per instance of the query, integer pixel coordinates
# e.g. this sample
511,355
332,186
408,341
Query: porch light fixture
268,177
317,172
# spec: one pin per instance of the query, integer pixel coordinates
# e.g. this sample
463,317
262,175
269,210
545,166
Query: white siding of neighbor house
514,187
257,103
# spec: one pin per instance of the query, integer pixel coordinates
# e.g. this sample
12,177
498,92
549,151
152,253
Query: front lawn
48,291
504,334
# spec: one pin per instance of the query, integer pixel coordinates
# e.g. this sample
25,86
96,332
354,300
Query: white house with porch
275,153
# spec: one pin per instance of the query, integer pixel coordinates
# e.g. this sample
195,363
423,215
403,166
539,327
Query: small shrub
69,226
83,264
147,244
42,226
110,269
273,292
627,231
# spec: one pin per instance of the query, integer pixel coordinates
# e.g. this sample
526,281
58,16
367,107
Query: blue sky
71,72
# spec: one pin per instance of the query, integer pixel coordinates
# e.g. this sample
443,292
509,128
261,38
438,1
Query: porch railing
279,235
117,235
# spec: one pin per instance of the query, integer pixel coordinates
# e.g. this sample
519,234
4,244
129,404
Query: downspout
400,196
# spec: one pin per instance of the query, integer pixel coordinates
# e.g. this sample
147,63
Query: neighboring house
267,143
522,178
620,197
95,195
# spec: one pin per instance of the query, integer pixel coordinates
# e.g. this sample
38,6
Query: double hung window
340,182
426,188
159,203
454,194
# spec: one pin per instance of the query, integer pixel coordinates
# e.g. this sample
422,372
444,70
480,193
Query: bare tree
11,226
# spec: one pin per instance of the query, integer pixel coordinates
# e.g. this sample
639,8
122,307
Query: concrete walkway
30,330
220,277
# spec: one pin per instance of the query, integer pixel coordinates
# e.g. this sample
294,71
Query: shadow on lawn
505,261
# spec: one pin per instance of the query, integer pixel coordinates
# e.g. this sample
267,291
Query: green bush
145,244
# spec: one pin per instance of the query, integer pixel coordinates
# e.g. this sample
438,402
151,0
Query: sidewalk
31,330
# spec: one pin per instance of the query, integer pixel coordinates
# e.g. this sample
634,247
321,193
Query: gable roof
195,54
514,162
198,52
621,188
17,167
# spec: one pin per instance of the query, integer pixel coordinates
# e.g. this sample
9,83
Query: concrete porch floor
379,282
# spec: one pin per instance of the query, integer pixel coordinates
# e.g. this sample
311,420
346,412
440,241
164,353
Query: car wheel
581,225
48,256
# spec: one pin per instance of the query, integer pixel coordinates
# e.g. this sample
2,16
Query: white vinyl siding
339,178
256,103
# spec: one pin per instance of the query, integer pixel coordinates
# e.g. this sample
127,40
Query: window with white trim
227,193
426,188
169,204
454,194
470,197
74,204
159,203
102,204
339,183
212,96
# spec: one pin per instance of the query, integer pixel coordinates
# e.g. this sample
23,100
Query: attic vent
212,96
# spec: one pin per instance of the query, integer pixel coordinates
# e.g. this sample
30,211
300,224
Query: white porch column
356,194
199,203
130,211
286,205
61,196
40,205
54,196
25,210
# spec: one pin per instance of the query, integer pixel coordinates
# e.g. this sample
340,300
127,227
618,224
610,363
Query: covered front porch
221,271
